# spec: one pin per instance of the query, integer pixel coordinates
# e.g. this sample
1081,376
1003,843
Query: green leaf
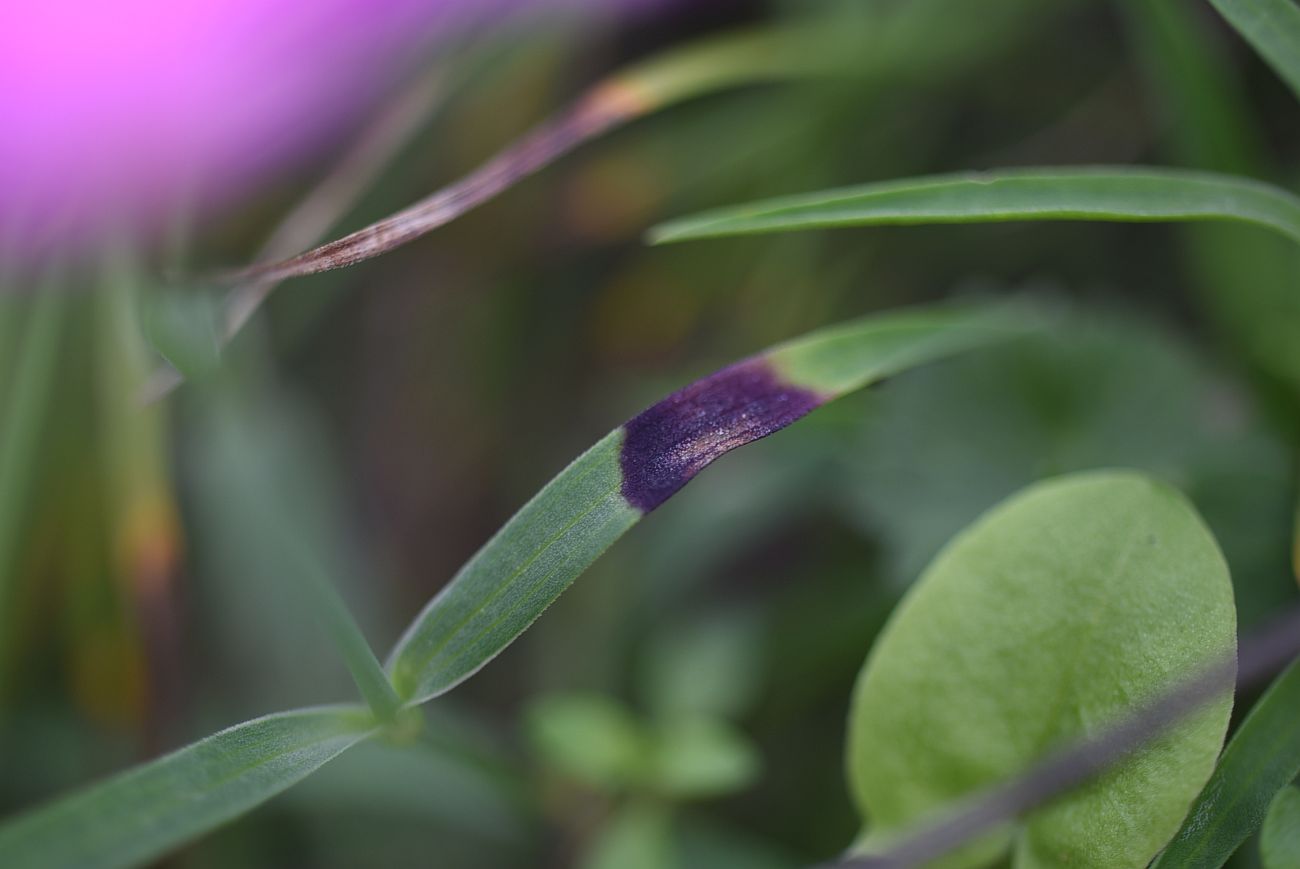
639,837
266,501
1093,390
580,513
1051,617
1262,757
508,584
701,757
1118,193
1273,28
589,738
597,741
715,63
1245,278
1279,843
184,329
145,812
1194,86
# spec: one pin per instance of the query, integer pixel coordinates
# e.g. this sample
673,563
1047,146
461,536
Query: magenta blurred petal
115,114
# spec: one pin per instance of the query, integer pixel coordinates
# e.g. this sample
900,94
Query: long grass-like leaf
638,466
263,494
321,208
1273,28
141,814
680,74
1210,126
1129,194
1262,757
507,585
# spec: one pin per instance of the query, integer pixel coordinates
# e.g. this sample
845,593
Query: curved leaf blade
1279,845
1095,591
143,813
635,468
1272,27
1124,194
694,70
1261,758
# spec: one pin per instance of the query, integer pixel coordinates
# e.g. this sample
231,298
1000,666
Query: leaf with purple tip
638,466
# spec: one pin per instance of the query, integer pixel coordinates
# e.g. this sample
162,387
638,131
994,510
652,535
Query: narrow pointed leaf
141,814
639,465
266,503
1273,28
1125,194
677,75
1262,757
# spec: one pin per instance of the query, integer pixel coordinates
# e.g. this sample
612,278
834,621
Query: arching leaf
641,464
1108,193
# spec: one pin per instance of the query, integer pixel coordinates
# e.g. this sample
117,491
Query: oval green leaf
697,757
1107,193
589,738
1262,757
145,812
1054,615
1279,844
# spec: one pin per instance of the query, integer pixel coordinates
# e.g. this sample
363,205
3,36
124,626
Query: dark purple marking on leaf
672,441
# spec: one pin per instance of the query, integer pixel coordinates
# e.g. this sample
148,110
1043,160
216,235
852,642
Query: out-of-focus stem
142,518
323,207
29,394
769,55
360,659
1295,544
677,75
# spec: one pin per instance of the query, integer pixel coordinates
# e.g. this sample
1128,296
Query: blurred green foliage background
684,704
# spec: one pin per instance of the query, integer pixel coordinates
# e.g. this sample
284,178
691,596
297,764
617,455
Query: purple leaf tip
669,443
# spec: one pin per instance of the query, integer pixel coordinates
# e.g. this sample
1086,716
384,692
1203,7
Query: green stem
20,429
301,562
360,659
770,54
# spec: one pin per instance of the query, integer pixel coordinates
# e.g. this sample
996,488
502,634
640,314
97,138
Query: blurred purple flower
118,113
